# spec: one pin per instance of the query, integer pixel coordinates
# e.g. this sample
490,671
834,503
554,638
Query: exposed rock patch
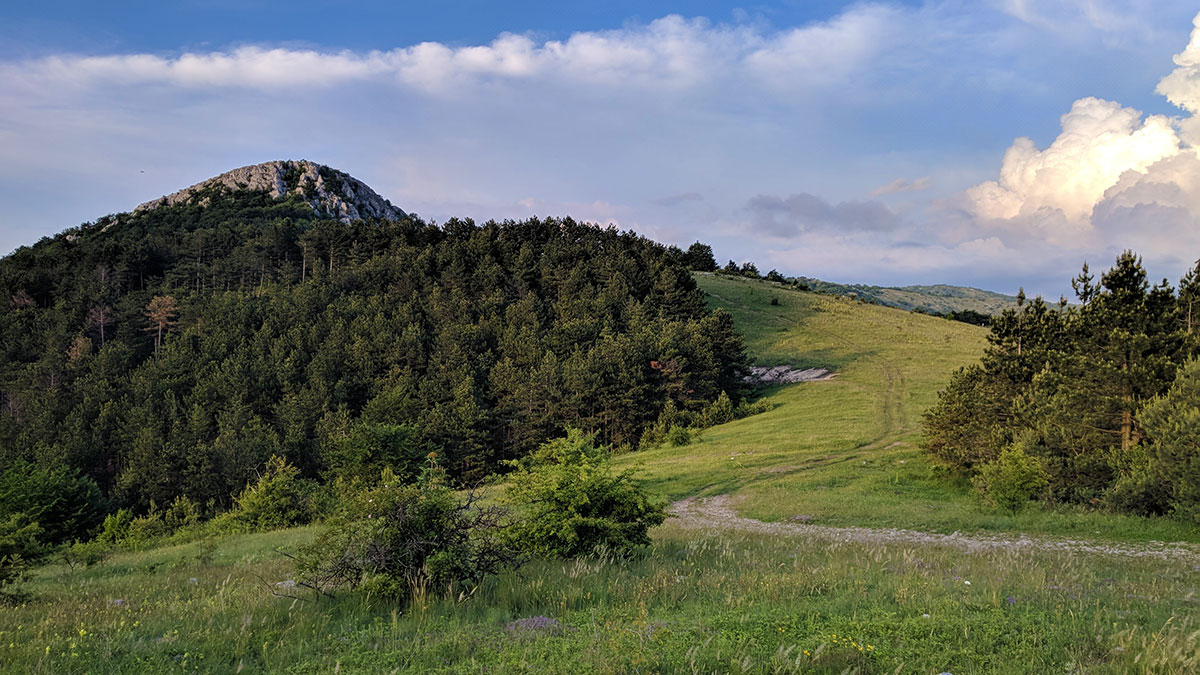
329,192
786,374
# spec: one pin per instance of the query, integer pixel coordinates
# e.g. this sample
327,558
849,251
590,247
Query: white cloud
1100,141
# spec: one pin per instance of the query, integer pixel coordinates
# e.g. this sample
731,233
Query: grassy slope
845,451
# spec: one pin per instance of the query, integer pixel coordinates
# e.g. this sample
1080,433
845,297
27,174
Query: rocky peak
330,192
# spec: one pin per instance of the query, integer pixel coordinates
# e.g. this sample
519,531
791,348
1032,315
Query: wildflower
966,582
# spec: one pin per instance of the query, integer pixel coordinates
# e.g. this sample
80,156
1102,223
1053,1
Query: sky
990,143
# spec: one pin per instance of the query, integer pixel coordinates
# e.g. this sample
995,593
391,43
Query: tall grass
706,602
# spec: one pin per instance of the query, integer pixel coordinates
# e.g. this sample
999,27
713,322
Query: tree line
1093,403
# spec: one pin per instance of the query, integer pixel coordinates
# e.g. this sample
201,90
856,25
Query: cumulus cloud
785,217
1060,185
901,185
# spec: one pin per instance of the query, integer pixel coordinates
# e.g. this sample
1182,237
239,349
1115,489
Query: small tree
161,311
279,499
572,501
1172,422
699,256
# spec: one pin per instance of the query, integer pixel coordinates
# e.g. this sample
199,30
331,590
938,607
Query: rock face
330,192
786,375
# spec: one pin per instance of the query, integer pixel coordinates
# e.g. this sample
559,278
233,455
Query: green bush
1012,479
19,546
182,513
719,411
396,540
572,502
66,505
279,499
678,436
115,529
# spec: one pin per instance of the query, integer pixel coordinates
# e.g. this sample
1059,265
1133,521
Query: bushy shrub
182,513
19,545
719,411
115,528
84,553
1013,479
571,501
279,499
64,504
678,436
395,539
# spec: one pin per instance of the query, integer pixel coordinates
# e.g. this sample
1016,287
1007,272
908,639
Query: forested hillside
173,351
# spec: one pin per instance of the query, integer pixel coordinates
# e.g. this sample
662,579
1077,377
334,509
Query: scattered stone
286,583
536,624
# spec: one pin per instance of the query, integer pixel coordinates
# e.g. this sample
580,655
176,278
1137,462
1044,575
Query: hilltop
331,193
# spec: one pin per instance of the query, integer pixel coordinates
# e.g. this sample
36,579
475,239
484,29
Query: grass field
842,451
845,451
709,603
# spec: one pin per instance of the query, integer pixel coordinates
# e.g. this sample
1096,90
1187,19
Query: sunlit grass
846,451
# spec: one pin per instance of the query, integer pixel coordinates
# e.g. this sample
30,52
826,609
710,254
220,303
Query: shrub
66,505
115,528
719,411
395,539
1012,479
84,553
279,499
678,436
571,501
182,513
19,545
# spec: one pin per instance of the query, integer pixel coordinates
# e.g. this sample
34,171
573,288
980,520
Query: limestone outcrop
330,192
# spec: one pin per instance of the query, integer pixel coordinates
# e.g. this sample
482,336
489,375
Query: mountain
330,193
174,351
935,299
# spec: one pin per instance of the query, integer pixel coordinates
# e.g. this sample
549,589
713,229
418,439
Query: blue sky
996,143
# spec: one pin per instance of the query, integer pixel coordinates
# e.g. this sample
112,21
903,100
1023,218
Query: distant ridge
331,193
936,299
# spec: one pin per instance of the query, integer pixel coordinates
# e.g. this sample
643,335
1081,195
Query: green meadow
843,451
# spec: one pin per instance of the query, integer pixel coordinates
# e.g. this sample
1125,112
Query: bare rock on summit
330,192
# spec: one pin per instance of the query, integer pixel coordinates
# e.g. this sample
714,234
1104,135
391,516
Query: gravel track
716,513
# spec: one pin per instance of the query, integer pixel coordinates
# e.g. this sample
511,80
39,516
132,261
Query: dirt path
716,513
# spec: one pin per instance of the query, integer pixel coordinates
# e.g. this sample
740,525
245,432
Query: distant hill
935,299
